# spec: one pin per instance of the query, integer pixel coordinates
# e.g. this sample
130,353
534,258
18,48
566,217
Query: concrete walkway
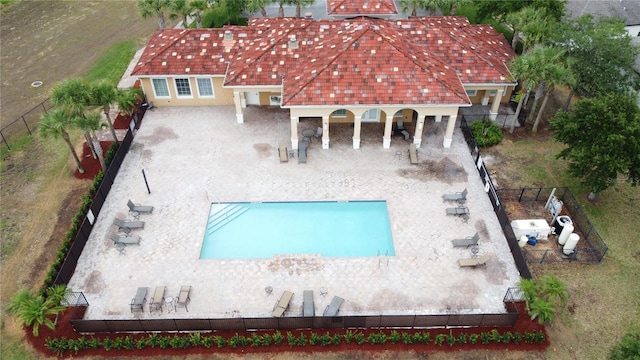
199,155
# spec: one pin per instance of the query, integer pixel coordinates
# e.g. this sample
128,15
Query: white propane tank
564,235
571,243
523,241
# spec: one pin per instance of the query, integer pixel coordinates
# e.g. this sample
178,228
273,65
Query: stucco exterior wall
222,96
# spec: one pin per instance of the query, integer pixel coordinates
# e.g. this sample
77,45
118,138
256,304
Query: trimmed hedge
486,133
65,347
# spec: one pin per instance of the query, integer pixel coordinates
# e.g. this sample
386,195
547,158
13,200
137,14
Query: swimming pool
329,228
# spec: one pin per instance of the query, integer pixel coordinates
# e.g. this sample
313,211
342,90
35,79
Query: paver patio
195,156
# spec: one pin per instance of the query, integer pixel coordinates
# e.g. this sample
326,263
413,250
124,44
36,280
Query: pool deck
196,156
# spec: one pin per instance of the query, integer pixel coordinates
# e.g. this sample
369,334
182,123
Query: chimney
228,35
293,43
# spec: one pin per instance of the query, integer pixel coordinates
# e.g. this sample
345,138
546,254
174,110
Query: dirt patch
443,170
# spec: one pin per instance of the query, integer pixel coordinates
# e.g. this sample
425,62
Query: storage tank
523,241
564,235
559,223
538,228
571,244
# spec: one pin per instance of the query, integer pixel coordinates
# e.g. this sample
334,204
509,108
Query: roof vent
308,15
228,35
293,43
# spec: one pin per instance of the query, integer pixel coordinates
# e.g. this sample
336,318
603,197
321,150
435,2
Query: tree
257,5
281,4
498,9
552,71
413,5
448,7
182,9
89,124
300,4
35,310
104,94
523,69
604,56
628,348
155,8
199,7
534,24
602,135
541,309
127,99
54,124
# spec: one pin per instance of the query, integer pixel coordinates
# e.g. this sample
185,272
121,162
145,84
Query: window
493,92
472,92
339,113
183,88
205,89
160,88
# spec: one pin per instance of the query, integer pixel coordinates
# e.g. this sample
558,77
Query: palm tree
157,8
199,7
127,99
257,5
89,125
281,4
300,4
104,94
181,8
413,5
34,311
529,289
552,71
54,124
522,68
541,309
450,5
554,289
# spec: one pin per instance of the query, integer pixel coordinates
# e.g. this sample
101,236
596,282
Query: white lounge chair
282,304
158,299
126,240
473,262
184,297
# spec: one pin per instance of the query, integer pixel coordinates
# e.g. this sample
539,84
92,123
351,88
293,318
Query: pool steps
224,216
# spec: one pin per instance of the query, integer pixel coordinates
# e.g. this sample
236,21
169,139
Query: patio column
417,137
357,126
243,99
325,132
448,135
238,103
485,97
438,118
495,106
386,138
294,132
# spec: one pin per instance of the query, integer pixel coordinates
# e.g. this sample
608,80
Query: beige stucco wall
386,112
482,90
222,96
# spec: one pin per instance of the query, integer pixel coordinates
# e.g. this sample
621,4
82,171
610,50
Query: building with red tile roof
356,70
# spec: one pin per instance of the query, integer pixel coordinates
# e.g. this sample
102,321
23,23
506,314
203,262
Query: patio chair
308,307
333,308
139,208
282,304
466,242
284,154
158,299
318,134
473,262
460,210
302,152
459,196
413,154
127,225
139,300
126,240
184,296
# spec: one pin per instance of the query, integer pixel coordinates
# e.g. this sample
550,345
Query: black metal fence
25,124
288,323
498,206
504,120
592,247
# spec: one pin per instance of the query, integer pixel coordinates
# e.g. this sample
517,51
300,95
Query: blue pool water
262,230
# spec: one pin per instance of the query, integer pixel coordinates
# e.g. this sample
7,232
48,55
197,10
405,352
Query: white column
294,132
325,132
238,103
243,99
495,105
386,138
357,126
417,137
485,97
448,135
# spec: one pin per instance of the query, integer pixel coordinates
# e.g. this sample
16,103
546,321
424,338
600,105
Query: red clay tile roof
361,7
340,62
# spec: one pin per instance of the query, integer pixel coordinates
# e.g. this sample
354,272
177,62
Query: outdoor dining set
471,241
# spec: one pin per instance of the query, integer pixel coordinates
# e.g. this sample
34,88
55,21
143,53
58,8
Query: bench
284,154
413,154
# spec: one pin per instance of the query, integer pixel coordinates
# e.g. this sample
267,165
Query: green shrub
394,337
627,348
517,337
314,339
486,133
451,340
417,337
439,340
462,338
266,340
195,339
473,338
507,337
407,338
336,339
302,340
220,341
107,344
360,338
495,336
278,338
348,336
426,338
485,337
256,340
326,339
207,342
291,339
